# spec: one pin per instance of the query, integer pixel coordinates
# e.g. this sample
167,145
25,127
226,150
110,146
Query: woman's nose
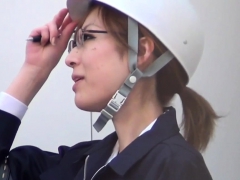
72,58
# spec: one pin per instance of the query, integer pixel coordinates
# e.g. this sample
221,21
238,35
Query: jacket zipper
98,171
85,168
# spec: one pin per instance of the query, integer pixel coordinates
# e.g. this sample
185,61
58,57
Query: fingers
67,32
61,25
53,33
66,21
66,28
44,32
45,36
59,18
55,25
63,33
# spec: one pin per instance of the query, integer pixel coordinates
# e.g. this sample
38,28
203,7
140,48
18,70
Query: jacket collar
99,151
165,127
98,155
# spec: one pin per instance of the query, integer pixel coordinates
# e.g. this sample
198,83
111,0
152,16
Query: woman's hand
42,57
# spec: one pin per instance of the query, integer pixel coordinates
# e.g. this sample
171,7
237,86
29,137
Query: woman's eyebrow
91,24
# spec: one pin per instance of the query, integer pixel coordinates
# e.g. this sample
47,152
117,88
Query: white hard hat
174,22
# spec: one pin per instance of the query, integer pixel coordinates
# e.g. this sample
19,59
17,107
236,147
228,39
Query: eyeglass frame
73,43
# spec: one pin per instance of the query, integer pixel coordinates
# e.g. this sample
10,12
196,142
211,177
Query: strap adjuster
116,102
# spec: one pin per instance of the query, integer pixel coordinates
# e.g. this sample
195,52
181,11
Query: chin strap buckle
112,108
117,101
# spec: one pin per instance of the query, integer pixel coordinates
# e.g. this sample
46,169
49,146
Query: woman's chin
91,104
88,106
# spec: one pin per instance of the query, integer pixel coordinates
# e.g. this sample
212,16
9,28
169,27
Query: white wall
52,118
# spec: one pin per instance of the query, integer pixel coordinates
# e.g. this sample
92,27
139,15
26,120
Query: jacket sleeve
178,168
26,162
8,128
29,162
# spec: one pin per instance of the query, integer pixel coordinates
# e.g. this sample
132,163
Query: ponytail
198,118
198,115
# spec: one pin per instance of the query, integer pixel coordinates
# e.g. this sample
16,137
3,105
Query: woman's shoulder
38,154
177,147
180,159
30,161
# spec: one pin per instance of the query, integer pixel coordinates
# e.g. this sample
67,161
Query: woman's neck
139,110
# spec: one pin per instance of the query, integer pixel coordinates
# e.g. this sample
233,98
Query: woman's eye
87,37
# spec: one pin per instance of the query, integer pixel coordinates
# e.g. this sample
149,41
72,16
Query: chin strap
121,95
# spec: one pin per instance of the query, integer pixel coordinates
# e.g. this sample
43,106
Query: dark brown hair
198,115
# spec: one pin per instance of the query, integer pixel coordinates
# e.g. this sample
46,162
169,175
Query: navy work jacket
159,154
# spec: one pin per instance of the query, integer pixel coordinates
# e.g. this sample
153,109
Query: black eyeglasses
80,37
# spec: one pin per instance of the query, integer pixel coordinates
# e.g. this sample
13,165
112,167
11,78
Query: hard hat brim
78,9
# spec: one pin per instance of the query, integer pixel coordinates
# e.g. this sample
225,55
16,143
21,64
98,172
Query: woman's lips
77,83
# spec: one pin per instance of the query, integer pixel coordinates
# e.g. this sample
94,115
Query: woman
136,59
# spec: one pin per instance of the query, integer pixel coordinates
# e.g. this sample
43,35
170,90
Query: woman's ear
145,53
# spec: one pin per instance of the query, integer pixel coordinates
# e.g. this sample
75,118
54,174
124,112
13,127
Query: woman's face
98,67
